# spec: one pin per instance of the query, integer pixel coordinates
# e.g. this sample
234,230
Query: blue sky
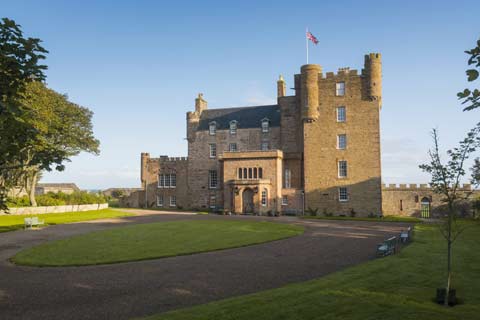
139,65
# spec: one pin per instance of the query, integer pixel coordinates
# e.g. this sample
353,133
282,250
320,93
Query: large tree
62,129
446,176
19,64
471,97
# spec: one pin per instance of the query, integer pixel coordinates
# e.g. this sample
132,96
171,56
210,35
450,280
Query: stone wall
362,153
405,199
57,209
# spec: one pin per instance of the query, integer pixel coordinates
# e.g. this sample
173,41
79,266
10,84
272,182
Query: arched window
212,128
233,127
265,125
264,197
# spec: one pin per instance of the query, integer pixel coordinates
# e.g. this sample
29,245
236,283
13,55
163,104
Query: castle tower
281,87
309,98
200,104
373,71
144,157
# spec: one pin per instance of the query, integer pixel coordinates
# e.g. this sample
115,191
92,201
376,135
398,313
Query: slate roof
246,117
58,185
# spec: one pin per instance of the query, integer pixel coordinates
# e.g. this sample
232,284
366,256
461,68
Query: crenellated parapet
418,187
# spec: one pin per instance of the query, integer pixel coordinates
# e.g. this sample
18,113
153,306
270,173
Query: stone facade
419,200
316,151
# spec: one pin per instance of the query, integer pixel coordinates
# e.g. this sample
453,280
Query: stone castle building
315,151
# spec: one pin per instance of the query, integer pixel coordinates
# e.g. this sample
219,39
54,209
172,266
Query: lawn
383,219
15,222
154,240
397,287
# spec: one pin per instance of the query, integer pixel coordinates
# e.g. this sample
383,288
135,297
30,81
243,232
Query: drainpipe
303,202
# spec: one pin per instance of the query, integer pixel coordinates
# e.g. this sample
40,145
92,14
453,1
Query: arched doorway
425,207
247,200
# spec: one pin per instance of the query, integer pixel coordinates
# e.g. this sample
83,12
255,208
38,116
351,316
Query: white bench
33,222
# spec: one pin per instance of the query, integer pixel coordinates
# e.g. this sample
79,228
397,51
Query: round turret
309,98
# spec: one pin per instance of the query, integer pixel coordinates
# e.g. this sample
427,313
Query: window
173,180
341,114
212,128
245,175
173,201
161,180
213,150
232,147
265,123
167,180
287,183
264,146
250,173
342,141
255,173
213,201
264,197
212,179
401,205
240,171
342,194
342,169
233,127
159,201
284,201
260,173
340,89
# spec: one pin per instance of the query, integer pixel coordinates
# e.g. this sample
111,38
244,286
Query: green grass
154,240
384,219
15,222
397,287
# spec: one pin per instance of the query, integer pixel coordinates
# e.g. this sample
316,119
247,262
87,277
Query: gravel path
135,289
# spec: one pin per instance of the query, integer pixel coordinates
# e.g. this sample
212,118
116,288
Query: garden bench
387,247
33,222
406,235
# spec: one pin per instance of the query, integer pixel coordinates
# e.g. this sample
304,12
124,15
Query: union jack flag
311,37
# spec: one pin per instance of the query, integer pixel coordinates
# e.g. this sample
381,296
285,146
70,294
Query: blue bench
387,247
406,235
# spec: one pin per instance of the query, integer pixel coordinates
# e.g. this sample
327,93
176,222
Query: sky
138,65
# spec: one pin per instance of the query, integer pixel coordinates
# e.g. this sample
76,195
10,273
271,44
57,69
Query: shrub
312,212
353,213
59,199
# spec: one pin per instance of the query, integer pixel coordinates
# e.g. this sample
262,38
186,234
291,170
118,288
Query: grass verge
154,240
15,222
397,287
384,219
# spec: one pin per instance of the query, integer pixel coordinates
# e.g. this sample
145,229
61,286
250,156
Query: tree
472,97
445,180
19,64
62,130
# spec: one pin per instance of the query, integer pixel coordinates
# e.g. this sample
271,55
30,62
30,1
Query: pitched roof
58,185
246,117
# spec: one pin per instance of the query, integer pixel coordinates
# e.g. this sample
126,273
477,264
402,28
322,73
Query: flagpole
306,42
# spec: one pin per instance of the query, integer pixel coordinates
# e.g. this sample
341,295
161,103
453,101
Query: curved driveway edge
135,289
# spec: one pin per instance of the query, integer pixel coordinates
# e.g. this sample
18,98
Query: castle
315,151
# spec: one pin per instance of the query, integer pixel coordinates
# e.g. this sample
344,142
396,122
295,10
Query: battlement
342,72
414,186
171,159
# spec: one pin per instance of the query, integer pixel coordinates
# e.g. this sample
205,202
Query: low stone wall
57,209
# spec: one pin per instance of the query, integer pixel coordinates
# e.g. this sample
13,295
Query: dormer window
212,128
265,125
233,127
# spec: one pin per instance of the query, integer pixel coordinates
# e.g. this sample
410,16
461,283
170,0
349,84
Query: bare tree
445,180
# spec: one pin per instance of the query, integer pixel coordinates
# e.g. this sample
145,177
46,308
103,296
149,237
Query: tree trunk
31,192
449,253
